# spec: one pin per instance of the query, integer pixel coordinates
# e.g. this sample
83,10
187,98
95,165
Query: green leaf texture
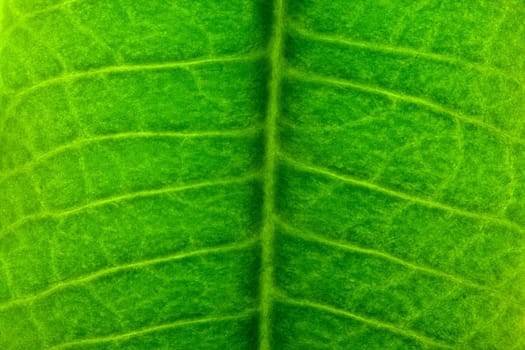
255,174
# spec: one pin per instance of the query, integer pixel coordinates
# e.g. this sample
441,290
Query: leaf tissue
262,174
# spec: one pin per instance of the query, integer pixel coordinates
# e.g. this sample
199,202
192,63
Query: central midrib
268,223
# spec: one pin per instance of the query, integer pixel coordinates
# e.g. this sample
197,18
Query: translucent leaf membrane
129,184
302,174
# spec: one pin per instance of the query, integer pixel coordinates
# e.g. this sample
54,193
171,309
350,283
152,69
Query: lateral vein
119,268
15,99
397,194
153,329
409,333
418,101
78,144
399,50
315,237
124,197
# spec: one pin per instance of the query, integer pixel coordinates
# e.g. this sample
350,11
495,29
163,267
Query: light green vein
268,230
28,15
154,329
372,322
300,165
5,33
126,68
80,143
433,106
406,51
314,237
126,197
79,281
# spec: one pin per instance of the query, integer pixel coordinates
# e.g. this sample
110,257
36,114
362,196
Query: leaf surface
248,174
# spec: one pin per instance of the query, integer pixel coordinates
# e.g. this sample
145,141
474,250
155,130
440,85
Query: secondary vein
153,329
268,227
136,265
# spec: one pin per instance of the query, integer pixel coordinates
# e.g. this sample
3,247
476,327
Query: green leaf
249,174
